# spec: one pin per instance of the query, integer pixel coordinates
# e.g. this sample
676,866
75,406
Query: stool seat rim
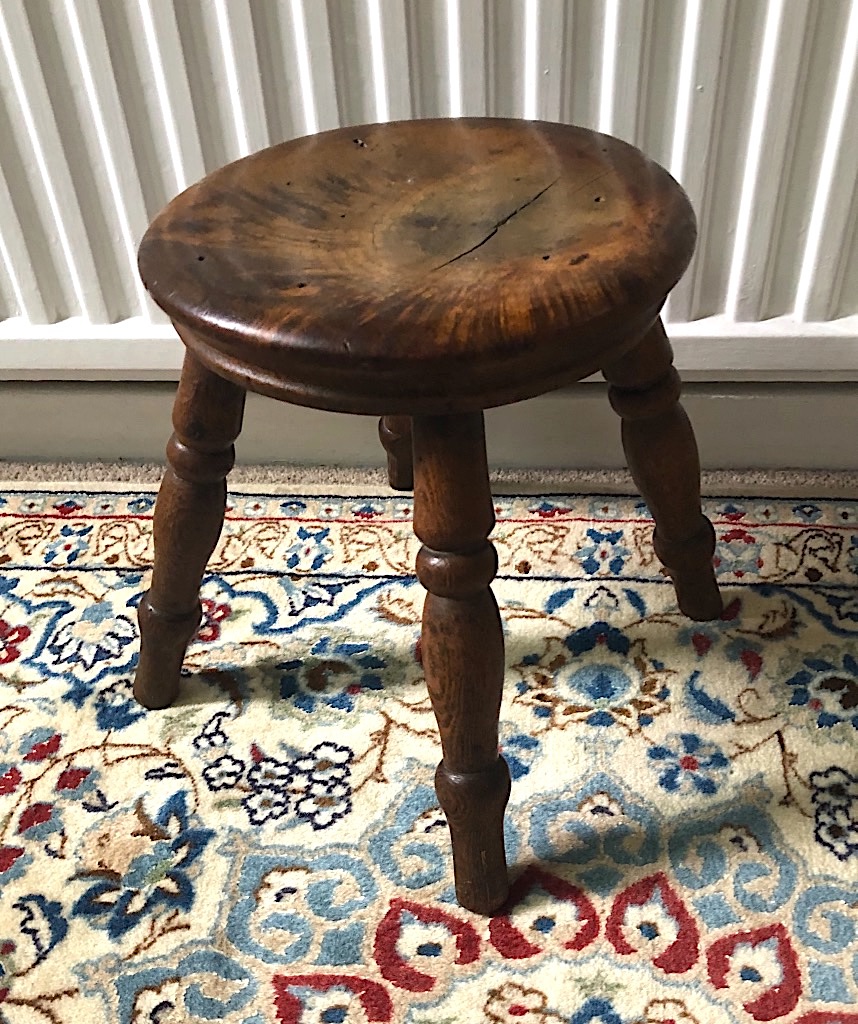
469,253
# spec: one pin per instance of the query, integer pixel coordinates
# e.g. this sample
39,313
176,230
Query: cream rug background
683,828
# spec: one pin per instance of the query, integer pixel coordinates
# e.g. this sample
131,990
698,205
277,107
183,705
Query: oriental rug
683,828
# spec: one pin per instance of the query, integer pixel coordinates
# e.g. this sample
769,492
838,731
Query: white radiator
110,107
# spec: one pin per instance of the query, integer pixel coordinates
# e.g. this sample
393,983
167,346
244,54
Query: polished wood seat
420,267
424,271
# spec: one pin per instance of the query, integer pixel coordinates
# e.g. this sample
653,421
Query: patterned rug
683,827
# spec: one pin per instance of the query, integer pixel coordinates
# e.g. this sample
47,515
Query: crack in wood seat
424,271
422,266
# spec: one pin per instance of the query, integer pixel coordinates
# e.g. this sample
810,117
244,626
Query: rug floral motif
683,827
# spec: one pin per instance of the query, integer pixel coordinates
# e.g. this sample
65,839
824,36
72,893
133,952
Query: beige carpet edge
784,483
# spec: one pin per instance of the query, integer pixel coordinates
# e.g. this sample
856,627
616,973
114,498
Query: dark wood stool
424,271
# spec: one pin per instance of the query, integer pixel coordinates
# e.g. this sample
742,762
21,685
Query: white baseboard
738,426
712,349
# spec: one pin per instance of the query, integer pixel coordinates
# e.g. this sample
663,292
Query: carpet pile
683,826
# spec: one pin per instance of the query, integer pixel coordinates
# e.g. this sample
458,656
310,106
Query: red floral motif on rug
683,828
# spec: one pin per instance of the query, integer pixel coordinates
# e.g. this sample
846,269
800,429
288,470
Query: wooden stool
424,271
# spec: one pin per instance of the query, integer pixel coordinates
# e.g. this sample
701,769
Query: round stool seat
421,266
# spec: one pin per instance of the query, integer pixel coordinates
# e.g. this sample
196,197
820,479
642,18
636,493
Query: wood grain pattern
188,519
462,643
395,435
421,266
662,455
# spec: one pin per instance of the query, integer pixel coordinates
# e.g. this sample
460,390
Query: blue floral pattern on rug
683,827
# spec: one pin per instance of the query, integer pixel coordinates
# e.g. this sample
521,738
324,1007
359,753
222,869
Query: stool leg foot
662,456
188,519
395,435
462,642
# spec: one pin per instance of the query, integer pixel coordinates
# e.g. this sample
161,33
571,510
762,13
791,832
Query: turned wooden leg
662,456
462,645
395,435
188,519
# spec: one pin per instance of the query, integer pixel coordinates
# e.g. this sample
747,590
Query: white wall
769,426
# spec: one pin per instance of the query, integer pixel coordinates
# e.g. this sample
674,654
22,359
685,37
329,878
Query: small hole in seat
546,257
599,199
201,258
302,284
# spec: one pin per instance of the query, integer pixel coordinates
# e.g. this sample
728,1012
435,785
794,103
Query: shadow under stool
423,271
